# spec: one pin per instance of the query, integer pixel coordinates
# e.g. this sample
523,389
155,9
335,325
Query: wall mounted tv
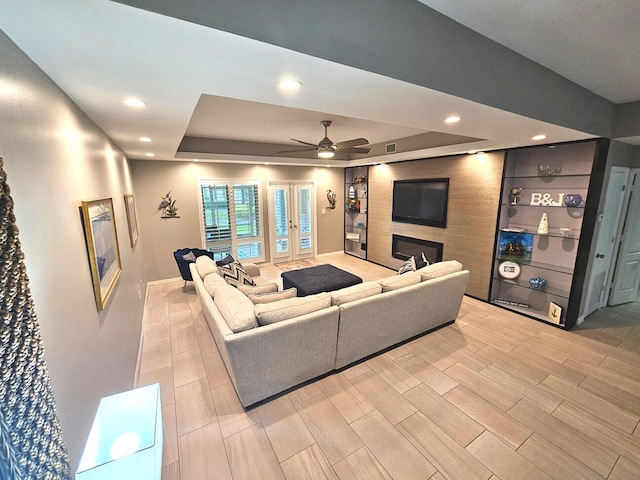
421,202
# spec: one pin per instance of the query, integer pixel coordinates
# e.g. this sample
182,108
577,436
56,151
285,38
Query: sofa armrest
252,269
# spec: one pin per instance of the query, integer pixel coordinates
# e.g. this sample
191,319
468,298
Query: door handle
599,255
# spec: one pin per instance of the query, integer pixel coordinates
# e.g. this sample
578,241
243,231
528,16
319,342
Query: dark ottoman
321,278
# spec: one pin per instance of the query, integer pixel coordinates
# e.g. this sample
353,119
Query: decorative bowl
573,200
549,169
565,231
537,282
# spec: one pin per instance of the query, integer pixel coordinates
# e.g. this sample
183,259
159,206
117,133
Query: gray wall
153,179
55,157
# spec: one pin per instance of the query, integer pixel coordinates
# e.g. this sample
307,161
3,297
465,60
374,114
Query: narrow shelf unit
355,211
547,214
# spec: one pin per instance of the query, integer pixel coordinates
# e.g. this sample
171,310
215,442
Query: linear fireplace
407,247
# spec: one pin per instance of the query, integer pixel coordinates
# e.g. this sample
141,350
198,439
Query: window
231,215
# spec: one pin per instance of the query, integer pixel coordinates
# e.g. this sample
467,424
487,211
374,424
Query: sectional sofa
270,347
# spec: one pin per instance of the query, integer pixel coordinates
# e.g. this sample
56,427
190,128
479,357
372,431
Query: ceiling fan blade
305,143
355,150
301,150
352,143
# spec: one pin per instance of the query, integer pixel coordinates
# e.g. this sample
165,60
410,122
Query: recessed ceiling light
289,85
538,137
452,119
149,154
144,139
196,160
480,153
134,102
266,163
471,152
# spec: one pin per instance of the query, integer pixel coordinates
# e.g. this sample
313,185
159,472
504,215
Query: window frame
234,239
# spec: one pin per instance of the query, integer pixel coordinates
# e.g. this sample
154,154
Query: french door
292,221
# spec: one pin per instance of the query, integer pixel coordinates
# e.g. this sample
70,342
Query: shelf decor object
515,246
537,283
573,200
125,440
509,270
102,245
543,226
331,197
515,195
549,169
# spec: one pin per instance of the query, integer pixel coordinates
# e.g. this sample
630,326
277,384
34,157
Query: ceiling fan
326,148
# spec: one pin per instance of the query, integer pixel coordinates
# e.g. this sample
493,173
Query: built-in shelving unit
355,211
545,225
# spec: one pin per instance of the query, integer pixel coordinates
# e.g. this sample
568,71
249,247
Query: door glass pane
282,245
304,210
281,213
249,250
305,243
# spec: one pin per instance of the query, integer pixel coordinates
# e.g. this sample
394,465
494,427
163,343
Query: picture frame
132,221
102,246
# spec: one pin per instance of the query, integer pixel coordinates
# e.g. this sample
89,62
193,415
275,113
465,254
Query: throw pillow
189,257
408,266
421,261
205,265
258,298
439,269
399,281
266,288
273,312
214,283
225,261
235,275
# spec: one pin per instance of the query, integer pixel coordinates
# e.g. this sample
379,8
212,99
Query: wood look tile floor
493,396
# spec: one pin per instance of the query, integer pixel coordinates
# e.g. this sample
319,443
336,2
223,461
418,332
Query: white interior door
292,225
627,272
605,243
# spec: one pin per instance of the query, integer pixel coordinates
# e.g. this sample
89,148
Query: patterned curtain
31,444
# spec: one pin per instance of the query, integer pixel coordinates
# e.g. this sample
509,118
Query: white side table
125,441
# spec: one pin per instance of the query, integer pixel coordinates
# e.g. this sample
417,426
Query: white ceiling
99,52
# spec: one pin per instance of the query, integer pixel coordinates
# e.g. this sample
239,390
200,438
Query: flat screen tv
421,202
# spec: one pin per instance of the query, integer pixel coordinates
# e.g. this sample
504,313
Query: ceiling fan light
325,154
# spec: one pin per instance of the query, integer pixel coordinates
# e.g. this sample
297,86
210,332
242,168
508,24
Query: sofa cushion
213,283
235,308
408,266
205,265
258,289
439,269
234,274
267,313
355,292
268,297
399,281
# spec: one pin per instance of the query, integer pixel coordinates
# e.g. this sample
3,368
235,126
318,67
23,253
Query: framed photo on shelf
130,207
102,246
515,246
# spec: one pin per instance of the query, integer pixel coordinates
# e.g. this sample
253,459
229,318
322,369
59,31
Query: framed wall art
102,246
130,207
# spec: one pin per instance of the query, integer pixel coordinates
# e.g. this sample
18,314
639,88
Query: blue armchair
183,264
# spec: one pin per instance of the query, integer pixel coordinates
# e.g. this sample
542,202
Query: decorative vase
515,195
573,200
537,282
549,169
543,227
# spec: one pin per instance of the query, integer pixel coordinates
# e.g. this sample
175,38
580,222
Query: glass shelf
548,177
523,283
527,311
511,205
575,236
543,266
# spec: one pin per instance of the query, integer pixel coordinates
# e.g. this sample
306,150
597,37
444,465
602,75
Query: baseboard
144,322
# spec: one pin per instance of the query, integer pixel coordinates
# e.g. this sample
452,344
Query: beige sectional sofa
268,348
